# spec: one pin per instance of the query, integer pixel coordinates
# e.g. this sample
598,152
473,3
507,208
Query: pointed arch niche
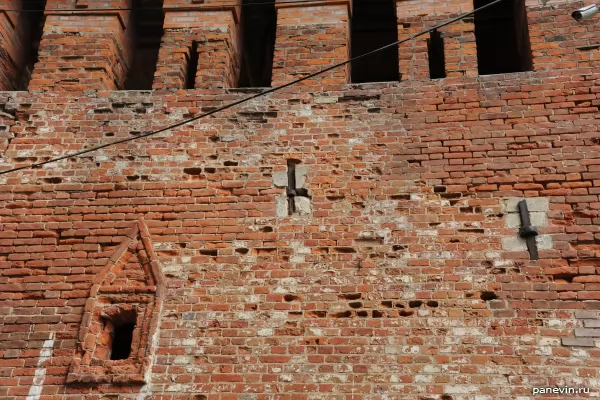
120,320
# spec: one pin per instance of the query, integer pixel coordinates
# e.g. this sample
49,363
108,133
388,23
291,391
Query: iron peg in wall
527,231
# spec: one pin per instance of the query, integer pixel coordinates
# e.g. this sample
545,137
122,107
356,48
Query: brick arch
131,283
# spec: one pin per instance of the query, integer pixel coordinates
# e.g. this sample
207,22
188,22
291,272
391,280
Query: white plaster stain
40,373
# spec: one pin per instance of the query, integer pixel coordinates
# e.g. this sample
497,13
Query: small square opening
121,342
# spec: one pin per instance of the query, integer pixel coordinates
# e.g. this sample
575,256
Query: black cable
183,8
271,90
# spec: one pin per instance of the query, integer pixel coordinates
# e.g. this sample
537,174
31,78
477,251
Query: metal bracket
291,187
527,231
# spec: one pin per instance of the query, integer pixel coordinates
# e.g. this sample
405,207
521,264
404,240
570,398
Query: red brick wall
407,280
215,30
398,283
83,51
13,28
558,41
310,38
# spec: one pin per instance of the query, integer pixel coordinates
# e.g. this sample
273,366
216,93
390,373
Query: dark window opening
374,25
259,24
437,58
121,343
502,36
34,23
147,20
192,67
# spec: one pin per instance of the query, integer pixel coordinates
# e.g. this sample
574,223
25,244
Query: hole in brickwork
33,23
446,397
401,197
230,163
259,24
210,170
350,296
267,229
54,180
316,314
487,296
471,230
344,250
502,36
242,250
192,171
415,303
362,314
209,252
192,67
291,297
448,196
437,60
265,251
387,304
432,303
406,313
356,304
199,397
374,25
378,314
343,314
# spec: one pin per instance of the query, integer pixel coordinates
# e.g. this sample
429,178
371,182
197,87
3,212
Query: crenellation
329,241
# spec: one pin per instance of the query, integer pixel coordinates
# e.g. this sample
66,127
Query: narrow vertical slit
437,58
291,187
192,67
33,23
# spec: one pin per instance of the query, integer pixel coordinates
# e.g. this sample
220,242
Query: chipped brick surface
394,284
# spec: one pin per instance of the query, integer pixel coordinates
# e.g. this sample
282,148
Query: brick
581,342
585,332
591,323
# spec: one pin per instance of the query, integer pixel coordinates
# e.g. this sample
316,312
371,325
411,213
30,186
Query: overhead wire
252,97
